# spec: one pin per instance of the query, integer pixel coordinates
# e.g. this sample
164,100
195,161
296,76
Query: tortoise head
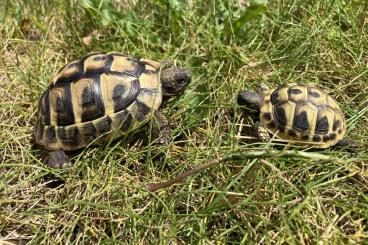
174,80
250,99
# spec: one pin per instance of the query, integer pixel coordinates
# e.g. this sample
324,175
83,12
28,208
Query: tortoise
101,97
300,114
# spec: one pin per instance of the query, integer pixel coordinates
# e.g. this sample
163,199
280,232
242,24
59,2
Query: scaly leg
58,159
161,130
261,132
349,145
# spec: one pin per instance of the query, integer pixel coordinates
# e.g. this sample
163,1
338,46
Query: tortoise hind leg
161,129
58,159
349,145
345,143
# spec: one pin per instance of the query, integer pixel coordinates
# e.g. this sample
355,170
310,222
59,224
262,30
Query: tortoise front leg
58,159
161,129
261,132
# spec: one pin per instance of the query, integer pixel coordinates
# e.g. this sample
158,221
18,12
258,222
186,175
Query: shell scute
61,112
70,72
297,93
279,95
317,97
325,121
127,65
123,120
68,136
98,63
284,113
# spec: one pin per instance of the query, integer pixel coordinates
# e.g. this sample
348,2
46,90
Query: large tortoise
101,97
301,114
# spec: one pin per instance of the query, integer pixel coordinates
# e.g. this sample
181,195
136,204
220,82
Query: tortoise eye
181,81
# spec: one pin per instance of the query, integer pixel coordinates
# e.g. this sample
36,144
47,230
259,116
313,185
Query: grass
229,46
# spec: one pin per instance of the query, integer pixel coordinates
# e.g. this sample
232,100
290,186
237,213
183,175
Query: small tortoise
301,114
101,97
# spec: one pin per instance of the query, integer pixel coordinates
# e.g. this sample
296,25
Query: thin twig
180,177
243,156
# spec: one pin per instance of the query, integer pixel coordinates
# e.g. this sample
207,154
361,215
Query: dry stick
155,187
242,156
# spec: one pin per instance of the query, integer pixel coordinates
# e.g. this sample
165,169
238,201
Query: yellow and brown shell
98,97
302,114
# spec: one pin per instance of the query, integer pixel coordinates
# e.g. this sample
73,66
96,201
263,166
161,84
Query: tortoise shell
302,114
97,98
